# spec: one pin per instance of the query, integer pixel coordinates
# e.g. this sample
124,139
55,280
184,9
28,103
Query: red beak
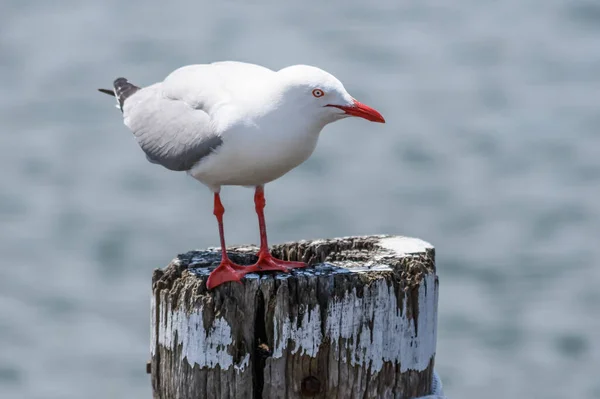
362,111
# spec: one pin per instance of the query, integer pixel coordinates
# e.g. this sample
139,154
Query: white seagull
234,123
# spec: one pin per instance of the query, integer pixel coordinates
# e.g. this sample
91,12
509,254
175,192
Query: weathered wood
360,323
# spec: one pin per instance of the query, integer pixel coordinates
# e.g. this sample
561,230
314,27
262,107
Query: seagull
234,123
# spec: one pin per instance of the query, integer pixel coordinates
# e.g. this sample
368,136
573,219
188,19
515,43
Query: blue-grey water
491,152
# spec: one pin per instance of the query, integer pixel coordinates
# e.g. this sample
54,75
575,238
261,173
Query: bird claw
266,262
226,271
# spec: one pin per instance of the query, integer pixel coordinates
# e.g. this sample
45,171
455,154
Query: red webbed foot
226,271
266,262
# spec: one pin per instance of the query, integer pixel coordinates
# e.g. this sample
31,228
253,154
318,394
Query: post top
409,257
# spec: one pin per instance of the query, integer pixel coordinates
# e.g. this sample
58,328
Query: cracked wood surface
360,322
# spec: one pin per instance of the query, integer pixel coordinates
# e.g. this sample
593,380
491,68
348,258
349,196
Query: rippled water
491,152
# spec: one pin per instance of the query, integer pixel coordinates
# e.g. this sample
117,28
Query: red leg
227,270
266,261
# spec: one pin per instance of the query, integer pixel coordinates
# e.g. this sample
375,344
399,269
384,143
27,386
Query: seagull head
318,94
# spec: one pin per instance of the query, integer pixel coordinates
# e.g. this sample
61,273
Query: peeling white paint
204,348
307,337
243,364
394,337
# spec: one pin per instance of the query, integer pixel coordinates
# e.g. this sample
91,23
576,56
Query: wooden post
360,323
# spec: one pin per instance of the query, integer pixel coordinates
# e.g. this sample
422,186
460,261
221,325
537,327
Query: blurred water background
491,152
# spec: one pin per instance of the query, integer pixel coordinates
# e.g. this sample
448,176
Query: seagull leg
227,270
266,261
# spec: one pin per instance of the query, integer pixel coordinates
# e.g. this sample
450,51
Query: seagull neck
277,109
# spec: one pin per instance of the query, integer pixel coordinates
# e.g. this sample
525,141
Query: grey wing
170,132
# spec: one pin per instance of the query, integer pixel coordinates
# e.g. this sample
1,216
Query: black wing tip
106,91
123,90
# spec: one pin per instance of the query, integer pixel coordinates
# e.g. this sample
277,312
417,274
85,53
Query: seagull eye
318,93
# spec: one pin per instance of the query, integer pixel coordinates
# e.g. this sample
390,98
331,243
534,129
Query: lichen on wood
359,322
